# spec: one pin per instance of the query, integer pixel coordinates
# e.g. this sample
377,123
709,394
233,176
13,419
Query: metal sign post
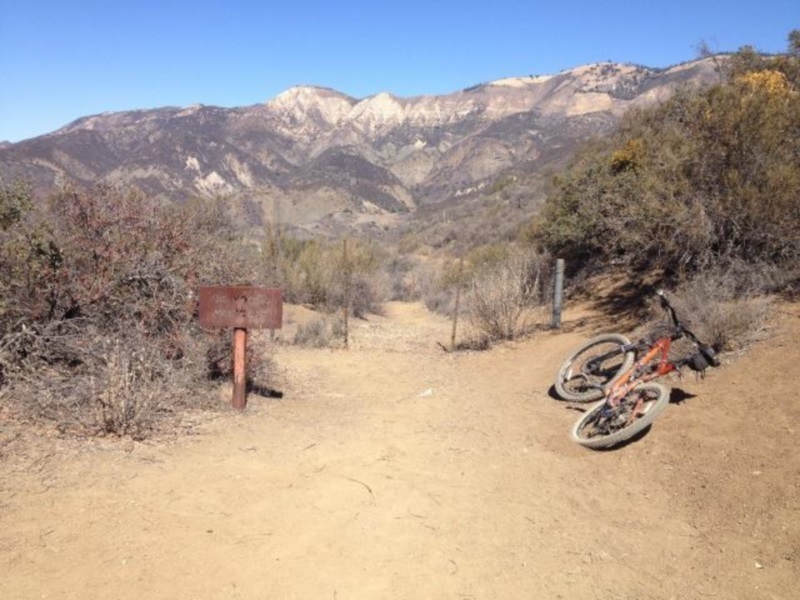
242,308
239,400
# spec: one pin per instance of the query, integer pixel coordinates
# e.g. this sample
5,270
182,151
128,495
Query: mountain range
313,153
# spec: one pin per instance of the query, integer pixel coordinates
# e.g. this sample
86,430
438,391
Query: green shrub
709,176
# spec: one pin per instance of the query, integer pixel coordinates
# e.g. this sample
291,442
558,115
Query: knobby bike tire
573,384
586,432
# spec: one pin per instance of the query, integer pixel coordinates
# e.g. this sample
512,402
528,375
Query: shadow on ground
678,396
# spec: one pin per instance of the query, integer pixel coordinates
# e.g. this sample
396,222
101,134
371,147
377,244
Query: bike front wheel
604,426
594,365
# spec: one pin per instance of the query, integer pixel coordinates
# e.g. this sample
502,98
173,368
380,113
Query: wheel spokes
611,419
588,378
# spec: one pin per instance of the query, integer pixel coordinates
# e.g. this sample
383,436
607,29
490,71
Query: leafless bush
722,308
128,392
214,360
118,386
438,285
501,295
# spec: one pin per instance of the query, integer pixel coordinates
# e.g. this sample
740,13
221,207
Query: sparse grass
324,332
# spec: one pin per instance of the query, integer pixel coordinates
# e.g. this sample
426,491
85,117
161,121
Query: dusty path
395,470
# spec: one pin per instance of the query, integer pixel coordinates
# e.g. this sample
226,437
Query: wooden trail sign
240,308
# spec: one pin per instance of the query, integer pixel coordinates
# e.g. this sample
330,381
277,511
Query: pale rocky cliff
316,152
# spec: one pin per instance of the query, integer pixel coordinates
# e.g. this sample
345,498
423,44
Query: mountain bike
622,373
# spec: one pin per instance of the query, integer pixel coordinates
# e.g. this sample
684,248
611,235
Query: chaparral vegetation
98,327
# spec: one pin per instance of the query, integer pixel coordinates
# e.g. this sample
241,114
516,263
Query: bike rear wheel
604,426
577,382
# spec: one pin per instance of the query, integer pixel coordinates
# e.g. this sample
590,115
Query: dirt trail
396,470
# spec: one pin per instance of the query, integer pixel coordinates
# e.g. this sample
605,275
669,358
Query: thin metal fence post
558,294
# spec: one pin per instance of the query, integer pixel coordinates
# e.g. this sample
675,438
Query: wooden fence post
457,304
346,266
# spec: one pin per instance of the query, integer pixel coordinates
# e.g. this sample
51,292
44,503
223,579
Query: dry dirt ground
396,470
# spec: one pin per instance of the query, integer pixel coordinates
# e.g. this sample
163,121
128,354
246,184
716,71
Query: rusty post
242,308
239,361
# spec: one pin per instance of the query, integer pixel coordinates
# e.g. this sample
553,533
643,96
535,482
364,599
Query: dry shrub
98,318
128,393
119,386
324,332
475,342
326,275
438,285
214,359
501,295
402,273
438,297
722,309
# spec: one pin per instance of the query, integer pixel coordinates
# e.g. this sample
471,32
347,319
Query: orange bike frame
638,374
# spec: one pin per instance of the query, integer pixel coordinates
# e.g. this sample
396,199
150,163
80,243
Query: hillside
312,154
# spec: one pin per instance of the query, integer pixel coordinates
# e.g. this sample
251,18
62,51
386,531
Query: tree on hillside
794,42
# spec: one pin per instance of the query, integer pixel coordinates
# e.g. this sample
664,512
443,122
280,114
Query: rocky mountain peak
318,152
378,112
311,102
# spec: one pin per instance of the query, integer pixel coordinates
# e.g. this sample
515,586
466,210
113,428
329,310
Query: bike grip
710,355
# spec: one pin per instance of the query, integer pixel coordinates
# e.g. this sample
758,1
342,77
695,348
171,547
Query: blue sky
60,60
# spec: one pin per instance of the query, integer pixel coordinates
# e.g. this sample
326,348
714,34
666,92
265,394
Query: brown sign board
241,307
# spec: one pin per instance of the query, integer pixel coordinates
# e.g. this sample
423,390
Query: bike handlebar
669,308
